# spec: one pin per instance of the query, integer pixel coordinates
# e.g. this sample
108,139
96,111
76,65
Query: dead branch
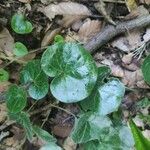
110,31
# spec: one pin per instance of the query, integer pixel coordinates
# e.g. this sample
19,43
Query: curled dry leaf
6,42
132,79
100,6
69,144
49,36
89,29
71,12
129,42
25,1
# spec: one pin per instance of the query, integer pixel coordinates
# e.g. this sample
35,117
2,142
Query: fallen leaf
146,133
49,36
6,42
69,144
89,29
71,12
62,131
100,6
46,2
131,5
25,1
129,42
3,112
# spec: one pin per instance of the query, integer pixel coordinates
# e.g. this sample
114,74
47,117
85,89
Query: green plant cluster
75,78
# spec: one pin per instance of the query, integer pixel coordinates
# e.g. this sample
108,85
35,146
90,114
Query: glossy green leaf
20,49
44,135
51,146
143,103
105,98
16,99
20,25
114,140
146,69
111,95
91,103
23,119
90,127
37,80
58,38
74,70
141,143
4,75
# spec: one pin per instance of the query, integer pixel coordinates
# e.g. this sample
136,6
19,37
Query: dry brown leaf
62,130
100,6
146,133
6,42
89,29
3,112
131,5
49,36
129,42
71,12
25,1
46,2
139,11
69,144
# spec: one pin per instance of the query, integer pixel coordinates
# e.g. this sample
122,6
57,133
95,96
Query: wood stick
110,31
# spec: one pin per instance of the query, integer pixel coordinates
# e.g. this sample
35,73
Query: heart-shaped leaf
33,75
20,49
23,119
20,25
116,139
146,69
51,146
105,98
44,135
92,102
16,99
4,75
90,127
74,70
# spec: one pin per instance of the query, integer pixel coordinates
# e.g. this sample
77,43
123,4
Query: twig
45,108
111,31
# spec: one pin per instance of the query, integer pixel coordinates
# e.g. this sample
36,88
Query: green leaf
90,127
16,99
91,103
51,146
143,103
115,140
44,135
146,69
74,70
23,119
37,80
105,98
58,38
111,95
20,49
4,75
141,143
126,137
20,25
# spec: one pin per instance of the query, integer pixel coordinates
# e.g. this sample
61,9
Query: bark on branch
111,31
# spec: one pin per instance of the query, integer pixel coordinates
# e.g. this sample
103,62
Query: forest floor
115,34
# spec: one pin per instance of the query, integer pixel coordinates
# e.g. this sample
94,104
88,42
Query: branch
110,31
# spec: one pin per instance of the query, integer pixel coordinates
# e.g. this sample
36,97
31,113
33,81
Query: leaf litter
81,21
